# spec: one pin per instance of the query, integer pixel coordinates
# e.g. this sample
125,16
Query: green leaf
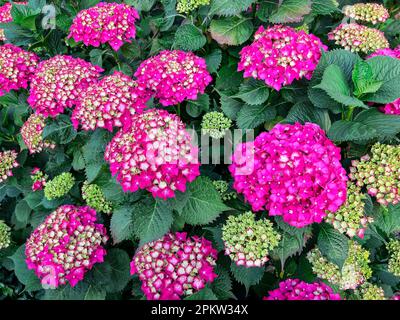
122,224
203,294
67,292
333,244
387,219
253,92
203,204
188,37
305,112
247,276
363,79
196,107
229,7
141,5
250,117
231,107
324,7
152,219
290,245
387,70
22,211
231,31
386,125
213,60
25,276
60,130
290,11
228,78
222,285
344,130
335,85
96,57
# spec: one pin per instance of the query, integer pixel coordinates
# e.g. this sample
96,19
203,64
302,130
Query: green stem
349,113
178,109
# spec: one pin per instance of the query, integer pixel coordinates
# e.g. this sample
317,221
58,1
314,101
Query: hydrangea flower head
31,132
279,55
215,124
174,266
367,12
110,102
111,23
174,76
5,17
16,67
66,245
186,6
369,291
358,38
59,186
293,171
393,247
248,242
8,161
5,235
58,82
379,173
350,218
295,289
94,197
39,179
155,154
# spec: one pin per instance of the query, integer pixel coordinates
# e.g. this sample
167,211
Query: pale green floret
355,270
186,6
215,124
369,291
394,257
94,197
59,186
222,187
248,242
5,235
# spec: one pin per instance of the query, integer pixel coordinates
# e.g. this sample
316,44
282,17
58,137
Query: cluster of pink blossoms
16,68
393,107
31,132
5,17
174,76
280,54
111,23
39,179
155,154
174,266
66,245
8,161
293,171
295,289
58,82
110,102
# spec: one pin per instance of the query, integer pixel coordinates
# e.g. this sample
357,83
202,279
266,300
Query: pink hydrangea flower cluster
293,171
174,76
111,23
281,54
66,245
295,289
358,38
109,103
393,107
39,179
5,17
175,265
155,154
16,68
31,132
58,82
8,161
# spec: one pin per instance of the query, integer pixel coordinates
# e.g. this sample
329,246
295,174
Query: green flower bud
59,186
94,197
186,6
369,291
215,124
222,187
394,257
5,235
247,241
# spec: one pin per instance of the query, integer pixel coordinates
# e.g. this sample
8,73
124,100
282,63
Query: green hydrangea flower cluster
215,124
94,197
367,12
8,161
223,189
350,218
247,241
5,235
394,257
369,291
379,173
186,6
355,270
59,186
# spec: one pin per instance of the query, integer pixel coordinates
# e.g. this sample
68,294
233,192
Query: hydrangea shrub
200,149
